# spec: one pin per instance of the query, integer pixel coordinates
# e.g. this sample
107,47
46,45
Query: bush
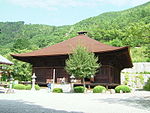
79,89
37,87
19,86
99,89
57,90
147,85
28,87
124,88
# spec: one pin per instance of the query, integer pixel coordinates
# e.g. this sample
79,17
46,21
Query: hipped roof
67,46
5,61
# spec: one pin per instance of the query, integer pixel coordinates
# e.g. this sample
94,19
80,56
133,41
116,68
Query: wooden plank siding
44,73
105,74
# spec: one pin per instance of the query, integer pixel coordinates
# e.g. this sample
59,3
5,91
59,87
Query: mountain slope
130,27
120,18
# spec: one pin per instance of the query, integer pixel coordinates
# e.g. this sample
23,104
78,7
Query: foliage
147,52
79,89
57,90
126,79
147,85
134,79
82,63
141,78
19,86
37,87
145,72
116,42
138,54
124,88
21,44
99,89
28,87
20,70
4,77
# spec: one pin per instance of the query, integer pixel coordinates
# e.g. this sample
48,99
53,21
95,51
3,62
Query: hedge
19,86
124,88
25,87
28,87
57,90
79,89
147,85
99,89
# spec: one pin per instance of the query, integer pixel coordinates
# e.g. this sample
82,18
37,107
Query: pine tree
82,64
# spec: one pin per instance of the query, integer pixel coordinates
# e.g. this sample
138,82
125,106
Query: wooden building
113,60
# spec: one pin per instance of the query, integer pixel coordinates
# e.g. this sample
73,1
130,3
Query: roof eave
25,56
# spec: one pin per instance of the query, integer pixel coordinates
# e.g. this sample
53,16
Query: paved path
44,102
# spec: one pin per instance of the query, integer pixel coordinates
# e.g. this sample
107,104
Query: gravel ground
44,102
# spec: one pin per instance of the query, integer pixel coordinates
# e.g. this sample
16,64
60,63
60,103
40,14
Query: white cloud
54,4
126,2
118,2
47,4
138,2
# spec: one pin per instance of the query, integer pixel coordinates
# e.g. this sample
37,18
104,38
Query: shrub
124,88
37,87
147,85
79,89
19,86
57,90
28,87
99,89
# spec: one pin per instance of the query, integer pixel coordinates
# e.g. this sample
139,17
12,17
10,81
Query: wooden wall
45,73
108,73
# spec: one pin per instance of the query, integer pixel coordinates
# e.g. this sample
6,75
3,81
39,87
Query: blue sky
59,12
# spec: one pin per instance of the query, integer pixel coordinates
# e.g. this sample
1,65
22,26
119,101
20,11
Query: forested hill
123,28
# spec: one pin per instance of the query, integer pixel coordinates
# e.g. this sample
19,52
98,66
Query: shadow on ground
138,102
18,106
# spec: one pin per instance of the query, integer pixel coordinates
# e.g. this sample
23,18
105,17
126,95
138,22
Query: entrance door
44,74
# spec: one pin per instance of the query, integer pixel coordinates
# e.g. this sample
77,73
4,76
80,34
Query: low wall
138,67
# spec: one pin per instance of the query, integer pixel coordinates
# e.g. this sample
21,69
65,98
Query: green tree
21,71
82,64
21,44
147,52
